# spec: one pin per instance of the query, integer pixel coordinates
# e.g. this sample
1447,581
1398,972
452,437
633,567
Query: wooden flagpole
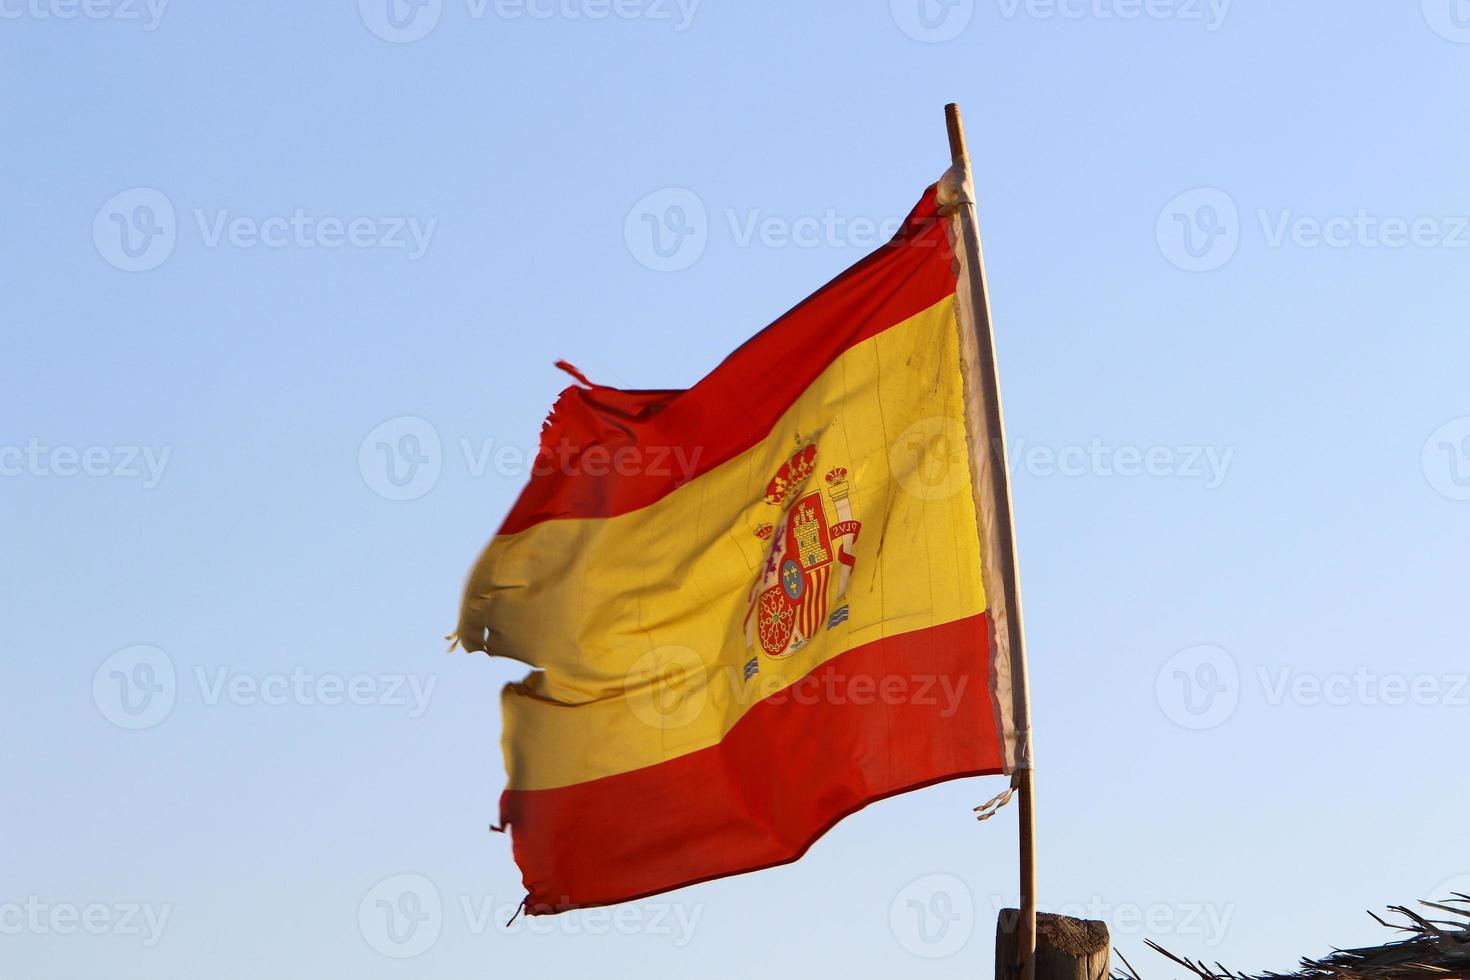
1006,545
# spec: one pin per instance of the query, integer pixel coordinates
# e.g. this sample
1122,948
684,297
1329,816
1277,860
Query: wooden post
1023,937
1066,948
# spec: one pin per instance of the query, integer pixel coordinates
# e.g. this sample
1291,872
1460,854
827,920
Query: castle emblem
809,553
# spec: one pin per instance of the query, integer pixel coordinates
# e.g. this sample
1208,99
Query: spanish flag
757,605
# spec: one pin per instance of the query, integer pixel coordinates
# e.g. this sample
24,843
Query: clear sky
243,247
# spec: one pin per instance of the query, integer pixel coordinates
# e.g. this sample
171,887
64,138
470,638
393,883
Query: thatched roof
1435,948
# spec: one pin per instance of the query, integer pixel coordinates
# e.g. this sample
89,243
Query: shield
775,620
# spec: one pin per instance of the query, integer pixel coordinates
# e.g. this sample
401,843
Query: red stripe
793,766
814,609
646,443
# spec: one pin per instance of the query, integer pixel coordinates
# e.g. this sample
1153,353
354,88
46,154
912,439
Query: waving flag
757,605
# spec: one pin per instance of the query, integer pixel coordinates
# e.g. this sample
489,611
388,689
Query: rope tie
993,805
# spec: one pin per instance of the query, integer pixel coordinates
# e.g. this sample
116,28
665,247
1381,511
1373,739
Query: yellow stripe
637,620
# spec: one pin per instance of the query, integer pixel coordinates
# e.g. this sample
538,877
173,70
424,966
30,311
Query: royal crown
792,476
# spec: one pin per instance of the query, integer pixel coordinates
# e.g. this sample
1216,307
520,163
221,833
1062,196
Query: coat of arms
808,547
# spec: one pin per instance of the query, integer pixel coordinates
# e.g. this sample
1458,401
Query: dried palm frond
1435,949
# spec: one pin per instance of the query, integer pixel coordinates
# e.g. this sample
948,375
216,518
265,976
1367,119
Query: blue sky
244,245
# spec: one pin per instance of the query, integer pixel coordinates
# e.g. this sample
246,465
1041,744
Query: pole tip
956,128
